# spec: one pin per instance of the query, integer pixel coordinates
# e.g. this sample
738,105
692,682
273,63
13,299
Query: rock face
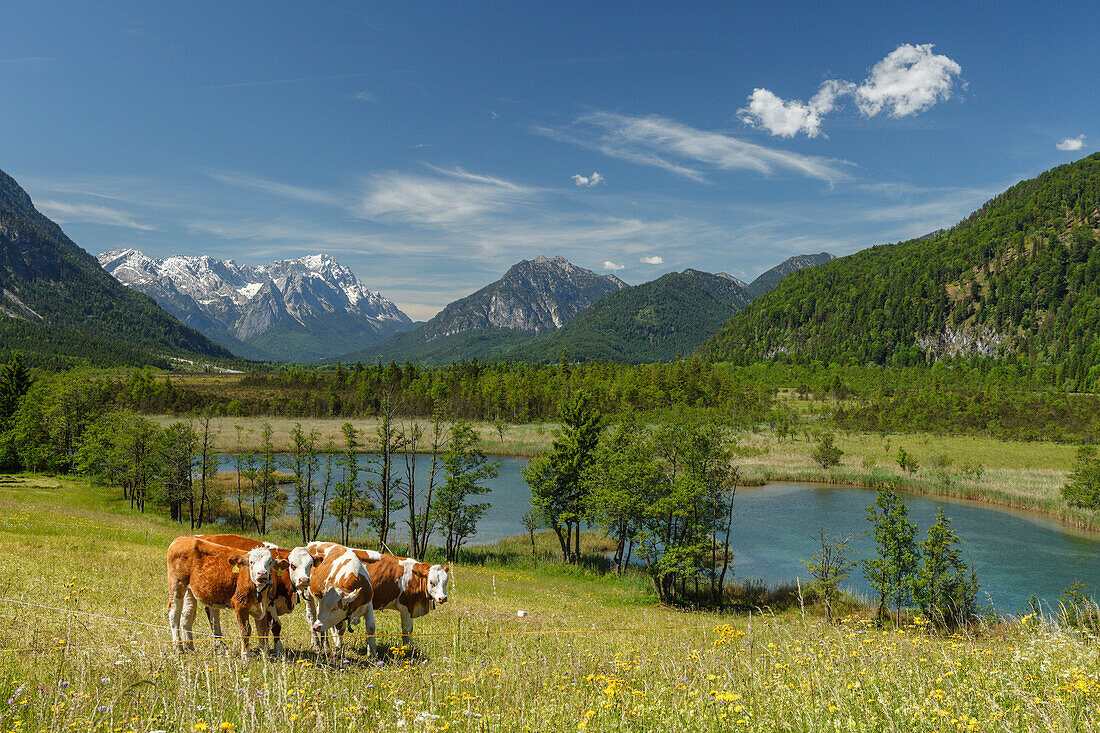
290,310
534,297
654,321
769,279
537,296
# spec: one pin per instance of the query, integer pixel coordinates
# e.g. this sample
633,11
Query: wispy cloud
652,260
909,80
684,150
65,212
1071,143
298,193
587,181
365,97
452,196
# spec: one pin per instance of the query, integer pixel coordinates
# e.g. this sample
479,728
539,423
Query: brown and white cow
286,585
339,594
400,583
221,577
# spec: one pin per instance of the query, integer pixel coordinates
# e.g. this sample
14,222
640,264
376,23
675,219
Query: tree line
665,495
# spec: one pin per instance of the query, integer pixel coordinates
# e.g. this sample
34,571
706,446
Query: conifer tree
943,587
892,571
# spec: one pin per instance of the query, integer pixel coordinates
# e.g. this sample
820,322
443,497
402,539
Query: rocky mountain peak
245,304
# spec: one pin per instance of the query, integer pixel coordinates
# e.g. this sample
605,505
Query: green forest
1019,279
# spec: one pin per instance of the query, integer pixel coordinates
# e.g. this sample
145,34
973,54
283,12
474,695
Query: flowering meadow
593,653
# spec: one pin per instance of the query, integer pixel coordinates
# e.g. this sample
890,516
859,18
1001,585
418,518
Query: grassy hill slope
1019,279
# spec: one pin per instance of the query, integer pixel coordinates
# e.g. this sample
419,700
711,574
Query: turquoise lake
1016,555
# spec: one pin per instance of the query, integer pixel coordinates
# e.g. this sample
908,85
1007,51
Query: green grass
78,548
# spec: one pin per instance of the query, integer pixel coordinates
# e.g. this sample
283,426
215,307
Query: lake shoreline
921,487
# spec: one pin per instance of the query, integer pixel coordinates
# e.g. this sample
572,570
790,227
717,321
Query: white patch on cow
408,563
317,545
271,545
345,566
261,566
437,583
301,566
373,555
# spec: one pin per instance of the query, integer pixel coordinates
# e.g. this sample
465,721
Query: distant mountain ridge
768,279
303,309
533,297
57,300
536,295
653,321
514,317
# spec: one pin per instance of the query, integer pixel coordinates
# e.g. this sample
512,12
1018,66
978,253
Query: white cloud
909,80
365,97
67,213
680,149
609,265
652,260
454,196
587,181
1072,143
787,118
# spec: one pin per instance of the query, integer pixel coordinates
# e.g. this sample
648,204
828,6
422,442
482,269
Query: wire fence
202,636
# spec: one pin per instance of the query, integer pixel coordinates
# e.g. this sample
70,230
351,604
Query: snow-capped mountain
290,310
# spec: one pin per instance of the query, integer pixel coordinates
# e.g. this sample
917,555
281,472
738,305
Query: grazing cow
339,594
212,574
400,583
295,578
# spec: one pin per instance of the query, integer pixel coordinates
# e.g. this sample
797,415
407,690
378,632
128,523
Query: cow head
262,567
438,579
333,607
301,565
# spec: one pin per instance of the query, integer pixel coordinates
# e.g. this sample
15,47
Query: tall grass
71,547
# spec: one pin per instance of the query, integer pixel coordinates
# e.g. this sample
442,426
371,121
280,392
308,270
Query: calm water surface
1016,555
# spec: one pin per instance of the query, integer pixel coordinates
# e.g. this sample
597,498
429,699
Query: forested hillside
47,281
653,321
1018,279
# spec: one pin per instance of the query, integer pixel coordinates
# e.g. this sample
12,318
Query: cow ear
238,561
282,564
318,557
447,568
350,598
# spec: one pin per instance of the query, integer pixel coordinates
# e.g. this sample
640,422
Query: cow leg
263,626
245,623
187,620
277,633
372,647
214,616
317,641
406,628
176,593
337,633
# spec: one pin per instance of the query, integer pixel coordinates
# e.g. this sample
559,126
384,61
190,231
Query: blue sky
428,146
